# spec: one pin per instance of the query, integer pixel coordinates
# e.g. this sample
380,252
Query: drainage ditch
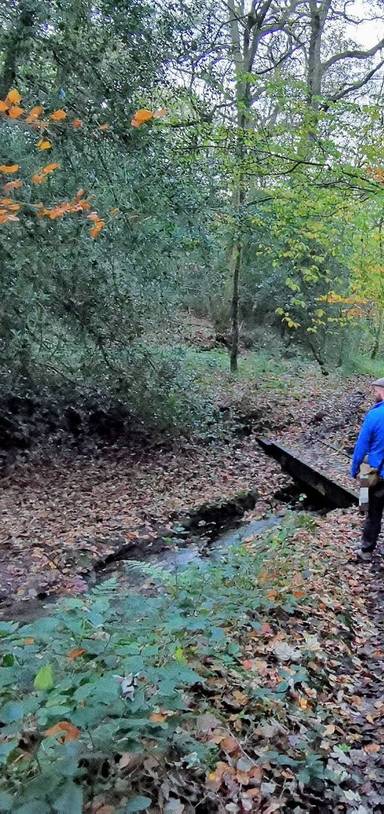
198,536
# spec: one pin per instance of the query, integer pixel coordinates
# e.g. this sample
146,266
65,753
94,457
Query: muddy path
65,518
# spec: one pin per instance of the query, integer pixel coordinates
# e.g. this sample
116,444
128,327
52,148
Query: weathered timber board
329,481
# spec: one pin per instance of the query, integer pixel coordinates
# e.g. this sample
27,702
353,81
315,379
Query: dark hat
378,383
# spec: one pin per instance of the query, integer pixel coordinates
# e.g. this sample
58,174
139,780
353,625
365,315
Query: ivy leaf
12,711
71,799
6,801
44,679
138,803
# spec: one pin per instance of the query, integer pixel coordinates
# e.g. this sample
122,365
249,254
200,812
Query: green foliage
113,673
80,310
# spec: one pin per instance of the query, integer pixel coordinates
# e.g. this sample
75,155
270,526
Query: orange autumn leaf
215,778
97,228
13,185
58,116
157,717
50,168
15,112
272,595
13,97
78,205
40,176
76,653
76,123
9,203
372,748
141,117
34,114
64,730
3,106
44,144
29,640
229,744
7,216
9,169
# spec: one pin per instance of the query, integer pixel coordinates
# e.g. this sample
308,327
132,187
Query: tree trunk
378,334
17,39
237,258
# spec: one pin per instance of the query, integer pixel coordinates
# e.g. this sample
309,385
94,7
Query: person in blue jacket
370,445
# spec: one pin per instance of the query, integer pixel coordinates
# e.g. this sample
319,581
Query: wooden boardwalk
317,466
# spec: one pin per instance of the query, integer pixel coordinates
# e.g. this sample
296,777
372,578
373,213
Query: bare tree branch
352,54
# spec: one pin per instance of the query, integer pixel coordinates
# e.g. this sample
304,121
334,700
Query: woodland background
231,157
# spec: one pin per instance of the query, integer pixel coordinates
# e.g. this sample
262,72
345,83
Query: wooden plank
322,482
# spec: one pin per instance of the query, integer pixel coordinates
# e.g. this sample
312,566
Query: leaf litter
297,722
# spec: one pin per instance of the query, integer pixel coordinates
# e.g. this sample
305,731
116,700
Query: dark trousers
373,518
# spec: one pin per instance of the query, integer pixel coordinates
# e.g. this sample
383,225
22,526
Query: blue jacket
370,441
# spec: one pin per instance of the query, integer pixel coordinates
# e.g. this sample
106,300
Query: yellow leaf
65,730
12,185
58,116
34,114
9,169
15,112
44,144
13,97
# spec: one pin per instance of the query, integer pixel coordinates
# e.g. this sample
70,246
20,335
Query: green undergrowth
258,371
101,693
363,364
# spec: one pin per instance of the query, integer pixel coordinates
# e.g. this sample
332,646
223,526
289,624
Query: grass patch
265,370
363,364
